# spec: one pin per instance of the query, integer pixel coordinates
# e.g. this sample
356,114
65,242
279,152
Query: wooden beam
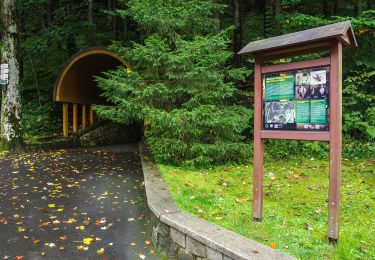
75,118
92,115
65,120
297,65
296,135
335,118
84,116
258,143
296,51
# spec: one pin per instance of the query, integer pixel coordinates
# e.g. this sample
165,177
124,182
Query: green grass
294,198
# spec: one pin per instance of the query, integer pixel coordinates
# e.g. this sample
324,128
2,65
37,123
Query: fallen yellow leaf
87,240
21,229
100,251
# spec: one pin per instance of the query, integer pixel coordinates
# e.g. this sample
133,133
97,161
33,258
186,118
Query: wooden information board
300,101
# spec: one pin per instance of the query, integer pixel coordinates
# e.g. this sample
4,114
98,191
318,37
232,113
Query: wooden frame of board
329,38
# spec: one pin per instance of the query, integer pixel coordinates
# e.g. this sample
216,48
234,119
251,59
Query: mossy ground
295,204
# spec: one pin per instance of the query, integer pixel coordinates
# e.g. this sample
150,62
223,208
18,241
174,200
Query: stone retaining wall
185,236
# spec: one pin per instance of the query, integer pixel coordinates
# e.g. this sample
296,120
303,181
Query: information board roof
341,31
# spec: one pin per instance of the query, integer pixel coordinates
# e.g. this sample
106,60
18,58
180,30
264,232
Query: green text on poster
280,87
303,111
318,111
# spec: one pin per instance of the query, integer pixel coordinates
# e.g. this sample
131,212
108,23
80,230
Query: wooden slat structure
302,42
330,38
76,83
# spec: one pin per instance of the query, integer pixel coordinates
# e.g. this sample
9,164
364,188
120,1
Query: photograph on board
318,91
302,78
301,92
318,77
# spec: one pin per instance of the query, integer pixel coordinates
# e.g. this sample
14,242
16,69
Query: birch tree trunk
11,128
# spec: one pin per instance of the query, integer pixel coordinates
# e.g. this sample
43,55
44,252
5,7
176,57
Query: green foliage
182,85
180,56
359,74
176,17
295,193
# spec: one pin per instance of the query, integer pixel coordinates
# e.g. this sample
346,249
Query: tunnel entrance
76,88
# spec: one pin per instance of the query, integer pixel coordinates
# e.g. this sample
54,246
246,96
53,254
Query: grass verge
295,204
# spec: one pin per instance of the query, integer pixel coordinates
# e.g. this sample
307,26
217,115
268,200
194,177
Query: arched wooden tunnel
76,87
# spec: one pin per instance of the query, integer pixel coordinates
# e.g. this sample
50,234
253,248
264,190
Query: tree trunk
336,6
11,127
91,11
358,8
325,8
109,8
277,17
370,4
49,12
268,18
237,41
114,19
125,36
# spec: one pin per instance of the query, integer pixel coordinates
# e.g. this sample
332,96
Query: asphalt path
73,204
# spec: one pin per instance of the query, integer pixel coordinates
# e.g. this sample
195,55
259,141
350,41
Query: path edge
185,236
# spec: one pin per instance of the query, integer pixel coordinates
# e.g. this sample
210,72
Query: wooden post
258,142
92,116
335,118
84,119
75,118
65,120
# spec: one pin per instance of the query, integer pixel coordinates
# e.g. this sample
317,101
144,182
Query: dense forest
188,83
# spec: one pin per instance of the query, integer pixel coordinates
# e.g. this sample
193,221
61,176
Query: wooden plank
92,115
327,32
84,116
296,135
335,117
75,118
258,143
65,120
297,65
297,50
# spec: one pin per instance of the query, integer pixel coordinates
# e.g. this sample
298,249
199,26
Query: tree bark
358,7
277,4
11,127
325,8
109,8
114,19
370,4
267,18
48,11
237,41
91,11
336,6
125,36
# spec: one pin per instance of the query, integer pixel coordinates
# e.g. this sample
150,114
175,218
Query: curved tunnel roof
76,81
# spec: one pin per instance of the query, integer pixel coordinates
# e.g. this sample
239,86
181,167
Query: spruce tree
182,85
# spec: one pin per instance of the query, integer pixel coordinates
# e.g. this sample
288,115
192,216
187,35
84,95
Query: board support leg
258,144
65,120
335,143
